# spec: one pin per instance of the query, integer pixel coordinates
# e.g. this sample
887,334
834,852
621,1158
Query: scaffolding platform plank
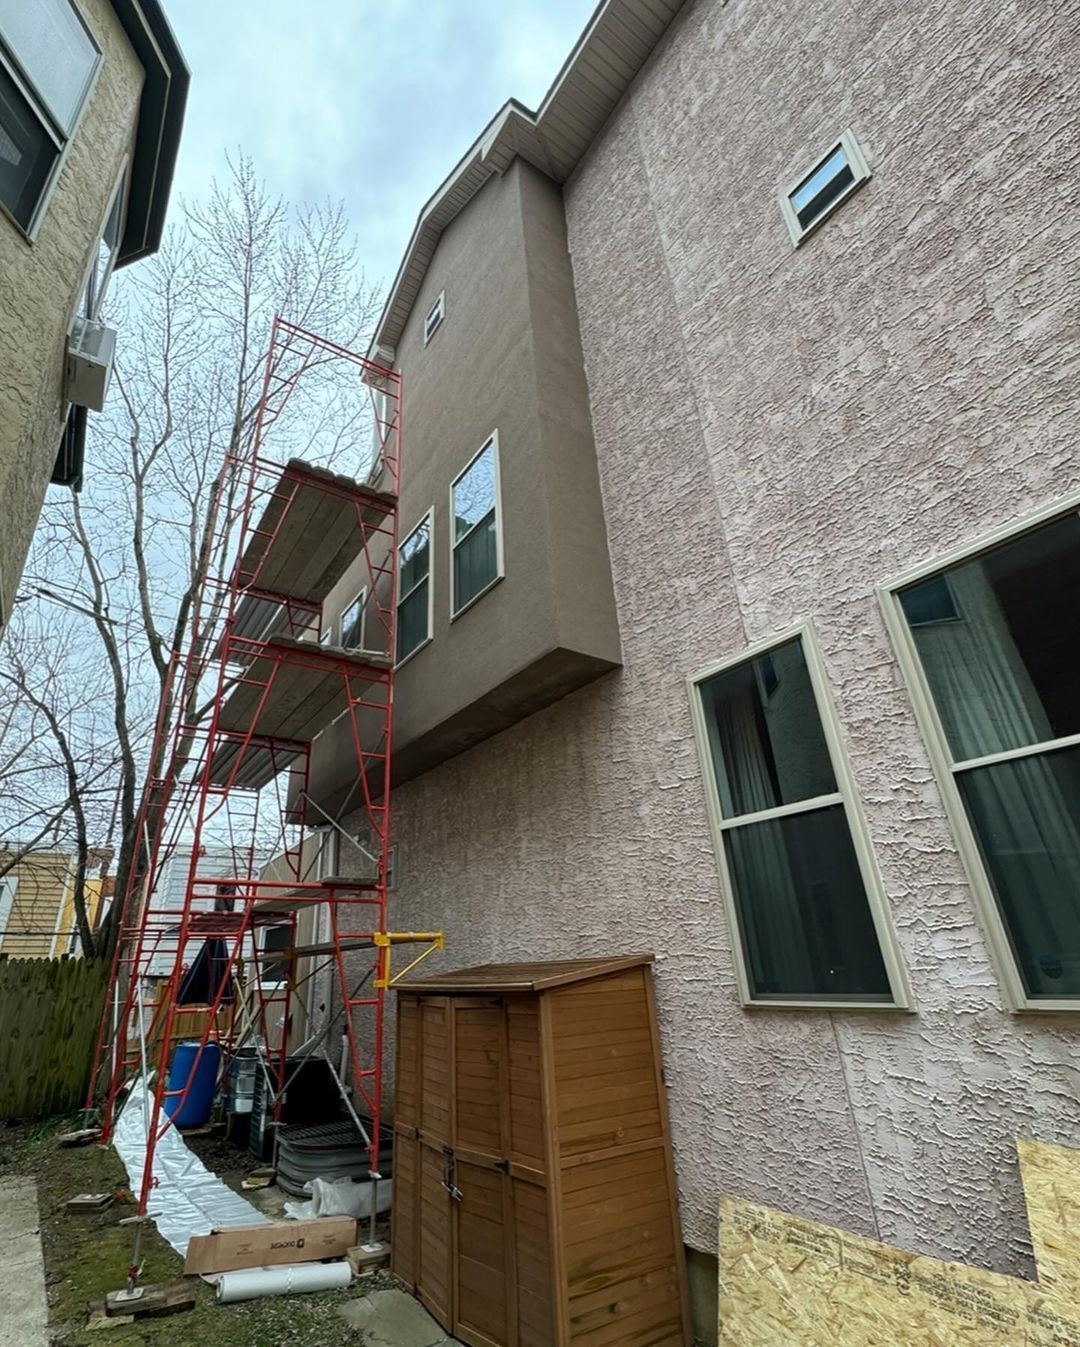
309,687
310,532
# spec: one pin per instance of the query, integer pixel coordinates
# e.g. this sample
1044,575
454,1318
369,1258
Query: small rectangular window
476,544
327,637
47,65
414,590
275,971
998,661
352,623
433,321
829,183
801,888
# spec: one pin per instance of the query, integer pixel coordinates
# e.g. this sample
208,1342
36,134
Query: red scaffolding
258,680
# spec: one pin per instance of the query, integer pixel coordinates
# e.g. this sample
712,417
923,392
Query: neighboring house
37,904
167,900
92,99
740,398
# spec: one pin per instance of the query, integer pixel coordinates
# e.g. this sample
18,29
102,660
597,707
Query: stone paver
25,1317
394,1319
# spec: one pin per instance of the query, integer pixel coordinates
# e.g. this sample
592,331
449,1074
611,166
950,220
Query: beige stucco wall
40,284
779,431
506,358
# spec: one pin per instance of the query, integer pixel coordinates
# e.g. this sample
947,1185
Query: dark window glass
1002,669
1026,816
804,918
822,187
275,938
476,562
27,154
768,747
412,625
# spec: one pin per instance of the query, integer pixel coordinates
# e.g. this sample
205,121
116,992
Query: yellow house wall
40,283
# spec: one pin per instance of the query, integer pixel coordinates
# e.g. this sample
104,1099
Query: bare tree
125,559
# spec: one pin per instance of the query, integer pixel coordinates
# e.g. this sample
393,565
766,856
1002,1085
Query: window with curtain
352,623
799,895
475,510
47,62
414,577
1000,659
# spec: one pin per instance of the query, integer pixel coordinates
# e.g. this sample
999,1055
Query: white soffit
614,46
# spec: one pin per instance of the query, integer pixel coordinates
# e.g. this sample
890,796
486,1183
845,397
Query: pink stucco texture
778,432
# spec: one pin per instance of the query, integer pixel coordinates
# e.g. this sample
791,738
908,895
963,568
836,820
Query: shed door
484,1274
434,1234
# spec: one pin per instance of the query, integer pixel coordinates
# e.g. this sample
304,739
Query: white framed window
434,318
48,62
352,623
414,603
809,920
8,886
476,546
103,262
988,639
273,972
841,170
327,635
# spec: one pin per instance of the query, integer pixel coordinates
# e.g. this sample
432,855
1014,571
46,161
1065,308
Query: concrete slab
24,1322
393,1319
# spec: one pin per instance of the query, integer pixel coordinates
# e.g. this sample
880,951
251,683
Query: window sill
801,1003
476,598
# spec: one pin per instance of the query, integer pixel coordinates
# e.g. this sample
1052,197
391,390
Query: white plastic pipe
282,1281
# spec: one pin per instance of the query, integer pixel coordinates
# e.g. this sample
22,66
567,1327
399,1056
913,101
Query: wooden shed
534,1194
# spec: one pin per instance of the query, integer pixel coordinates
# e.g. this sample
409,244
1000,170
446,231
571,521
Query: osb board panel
1051,1176
786,1281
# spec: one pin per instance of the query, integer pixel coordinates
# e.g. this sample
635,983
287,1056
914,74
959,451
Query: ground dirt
88,1255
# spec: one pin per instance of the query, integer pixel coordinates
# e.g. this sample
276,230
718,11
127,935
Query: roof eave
161,119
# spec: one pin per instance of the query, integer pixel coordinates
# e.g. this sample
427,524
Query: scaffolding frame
230,766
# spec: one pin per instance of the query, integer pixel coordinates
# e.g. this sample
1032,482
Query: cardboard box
268,1245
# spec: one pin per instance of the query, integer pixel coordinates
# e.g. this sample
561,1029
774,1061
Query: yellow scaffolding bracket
384,940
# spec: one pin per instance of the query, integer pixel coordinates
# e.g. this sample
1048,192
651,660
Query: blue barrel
192,1110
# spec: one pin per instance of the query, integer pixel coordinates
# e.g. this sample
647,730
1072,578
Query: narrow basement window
433,321
828,185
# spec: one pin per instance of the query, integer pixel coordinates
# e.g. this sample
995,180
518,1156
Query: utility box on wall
534,1194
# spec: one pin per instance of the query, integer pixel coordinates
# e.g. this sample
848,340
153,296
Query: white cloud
373,103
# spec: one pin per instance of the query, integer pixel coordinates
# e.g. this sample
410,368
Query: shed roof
524,977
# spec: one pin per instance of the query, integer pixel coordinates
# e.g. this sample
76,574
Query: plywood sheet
1051,1176
785,1281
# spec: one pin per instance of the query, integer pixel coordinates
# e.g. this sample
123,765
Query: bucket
242,1072
194,1109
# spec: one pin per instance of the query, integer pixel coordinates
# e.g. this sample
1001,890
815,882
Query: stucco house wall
778,432
40,285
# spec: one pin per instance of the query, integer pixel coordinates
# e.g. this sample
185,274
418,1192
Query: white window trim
944,765
500,560
845,795
28,91
860,171
9,886
439,309
429,517
360,597
118,186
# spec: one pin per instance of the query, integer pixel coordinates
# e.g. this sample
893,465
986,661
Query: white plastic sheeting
282,1281
340,1197
186,1199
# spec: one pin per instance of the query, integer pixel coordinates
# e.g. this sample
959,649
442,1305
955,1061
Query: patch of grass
87,1255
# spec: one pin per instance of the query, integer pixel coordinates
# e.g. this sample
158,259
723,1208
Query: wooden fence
50,1010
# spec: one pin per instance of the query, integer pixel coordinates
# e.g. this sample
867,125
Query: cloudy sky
369,102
